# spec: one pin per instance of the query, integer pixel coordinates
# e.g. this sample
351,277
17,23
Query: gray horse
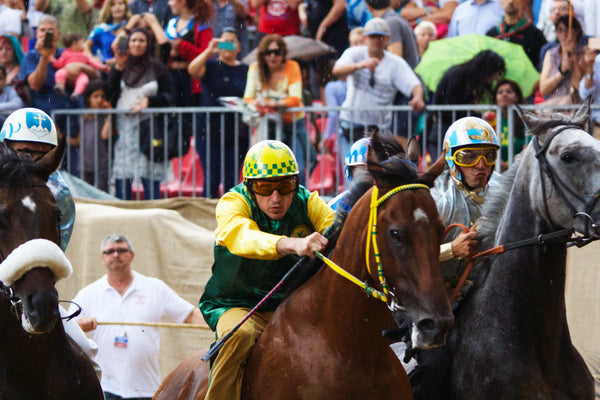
511,339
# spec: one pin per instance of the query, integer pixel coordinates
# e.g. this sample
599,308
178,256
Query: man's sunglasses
276,52
468,157
266,188
110,251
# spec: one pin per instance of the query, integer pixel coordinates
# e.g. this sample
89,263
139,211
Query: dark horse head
31,258
411,232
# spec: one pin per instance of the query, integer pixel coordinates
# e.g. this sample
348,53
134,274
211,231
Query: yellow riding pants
228,368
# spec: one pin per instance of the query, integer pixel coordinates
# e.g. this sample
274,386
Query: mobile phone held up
49,39
123,44
226,46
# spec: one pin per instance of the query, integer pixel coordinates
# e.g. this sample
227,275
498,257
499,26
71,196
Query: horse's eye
398,235
567,157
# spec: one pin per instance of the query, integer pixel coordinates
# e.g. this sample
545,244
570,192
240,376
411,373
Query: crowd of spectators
181,53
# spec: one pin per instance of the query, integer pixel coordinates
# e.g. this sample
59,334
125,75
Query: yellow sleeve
239,233
251,83
320,214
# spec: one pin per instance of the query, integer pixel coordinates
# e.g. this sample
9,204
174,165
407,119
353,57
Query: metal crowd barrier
182,177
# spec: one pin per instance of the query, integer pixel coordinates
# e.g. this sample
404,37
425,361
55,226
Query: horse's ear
51,161
582,115
376,151
413,151
530,119
434,171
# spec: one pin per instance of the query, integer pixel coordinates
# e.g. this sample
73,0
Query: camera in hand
226,46
123,44
49,39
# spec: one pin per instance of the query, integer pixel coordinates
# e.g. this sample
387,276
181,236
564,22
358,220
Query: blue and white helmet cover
464,132
29,125
357,155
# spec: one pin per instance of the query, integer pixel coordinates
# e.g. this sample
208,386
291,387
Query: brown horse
325,340
37,359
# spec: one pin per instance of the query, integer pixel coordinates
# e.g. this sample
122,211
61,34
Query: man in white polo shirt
128,354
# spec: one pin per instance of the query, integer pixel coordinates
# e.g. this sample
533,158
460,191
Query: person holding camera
221,77
38,73
590,84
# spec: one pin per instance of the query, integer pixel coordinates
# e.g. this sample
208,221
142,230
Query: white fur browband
32,254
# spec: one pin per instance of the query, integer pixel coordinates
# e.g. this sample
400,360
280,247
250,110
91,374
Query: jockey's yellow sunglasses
266,187
470,156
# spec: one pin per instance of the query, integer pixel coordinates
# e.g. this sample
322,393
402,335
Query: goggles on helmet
266,188
470,156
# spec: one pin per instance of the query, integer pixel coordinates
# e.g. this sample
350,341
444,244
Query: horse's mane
14,170
391,164
495,205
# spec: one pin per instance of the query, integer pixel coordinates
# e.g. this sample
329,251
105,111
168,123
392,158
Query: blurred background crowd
278,54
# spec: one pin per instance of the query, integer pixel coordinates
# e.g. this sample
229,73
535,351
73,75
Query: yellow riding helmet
269,159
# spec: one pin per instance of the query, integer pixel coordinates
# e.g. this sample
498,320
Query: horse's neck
529,279
349,254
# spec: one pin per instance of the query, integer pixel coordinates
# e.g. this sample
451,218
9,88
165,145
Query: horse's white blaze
29,203
420,216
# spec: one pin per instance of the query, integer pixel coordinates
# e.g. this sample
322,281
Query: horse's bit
561,187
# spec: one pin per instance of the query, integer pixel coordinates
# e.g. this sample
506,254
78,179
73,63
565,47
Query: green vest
242,282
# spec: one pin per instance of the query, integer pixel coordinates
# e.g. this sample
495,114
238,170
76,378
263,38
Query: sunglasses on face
110,251
266,188
276,52
469,157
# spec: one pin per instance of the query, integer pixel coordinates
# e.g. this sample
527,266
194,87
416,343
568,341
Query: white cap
29,125
377,26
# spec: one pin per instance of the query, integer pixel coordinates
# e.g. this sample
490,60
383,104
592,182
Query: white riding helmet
357,155
29,125
467,132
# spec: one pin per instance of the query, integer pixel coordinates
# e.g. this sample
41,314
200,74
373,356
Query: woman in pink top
74,53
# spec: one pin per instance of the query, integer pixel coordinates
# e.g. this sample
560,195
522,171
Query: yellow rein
381,295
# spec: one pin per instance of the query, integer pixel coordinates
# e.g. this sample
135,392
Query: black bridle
591,226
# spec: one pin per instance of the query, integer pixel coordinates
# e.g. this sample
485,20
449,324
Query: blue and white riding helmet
357,155
29,125
467,132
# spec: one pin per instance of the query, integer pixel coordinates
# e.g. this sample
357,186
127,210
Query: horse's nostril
427,325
